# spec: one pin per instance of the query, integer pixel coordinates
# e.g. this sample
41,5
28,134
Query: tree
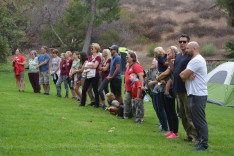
228,7
100,10
13,25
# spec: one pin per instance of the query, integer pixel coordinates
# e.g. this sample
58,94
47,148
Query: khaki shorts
44,77
22,74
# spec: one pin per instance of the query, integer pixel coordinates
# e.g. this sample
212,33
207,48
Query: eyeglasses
182,41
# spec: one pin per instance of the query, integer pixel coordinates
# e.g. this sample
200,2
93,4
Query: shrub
208,50
151,49
4,49
229,46
109,37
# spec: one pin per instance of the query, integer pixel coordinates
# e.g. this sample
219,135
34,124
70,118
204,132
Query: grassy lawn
33,124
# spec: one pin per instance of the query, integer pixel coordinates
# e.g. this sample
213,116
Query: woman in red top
18,64
132,67
105,68
95,59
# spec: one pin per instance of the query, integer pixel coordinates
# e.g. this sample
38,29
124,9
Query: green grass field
33,124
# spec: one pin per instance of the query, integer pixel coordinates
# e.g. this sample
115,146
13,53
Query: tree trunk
90,27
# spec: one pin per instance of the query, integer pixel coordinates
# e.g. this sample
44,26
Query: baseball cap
114,47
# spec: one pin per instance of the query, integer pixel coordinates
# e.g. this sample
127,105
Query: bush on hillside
109,37
151,49
4,49
229,46
208,50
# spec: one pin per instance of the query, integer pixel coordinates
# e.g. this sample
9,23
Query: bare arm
138,92
42,64
115,73
140,75
186,74
23,63
106,68
164,74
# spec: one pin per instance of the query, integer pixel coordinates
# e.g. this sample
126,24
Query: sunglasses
182,41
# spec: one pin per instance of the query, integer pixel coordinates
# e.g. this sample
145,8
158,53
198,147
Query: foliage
151,48
229,46
228,6
33,124
13,25
208,50
4,49
72,28
109,37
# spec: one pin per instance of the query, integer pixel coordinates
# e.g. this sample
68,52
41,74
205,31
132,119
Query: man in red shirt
137,101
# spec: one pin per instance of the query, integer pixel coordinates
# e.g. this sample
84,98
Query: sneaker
78,100
162,131
66,96
200,148
59,96
46,94
173,135
169,133
95,106
91,104
104,108
168,96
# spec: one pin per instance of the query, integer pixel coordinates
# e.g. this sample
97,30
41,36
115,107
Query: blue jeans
158,104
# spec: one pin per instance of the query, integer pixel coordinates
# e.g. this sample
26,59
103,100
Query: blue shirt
41,59
180,64
115,60
161,61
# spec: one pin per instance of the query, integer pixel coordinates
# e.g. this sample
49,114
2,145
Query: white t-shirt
197,86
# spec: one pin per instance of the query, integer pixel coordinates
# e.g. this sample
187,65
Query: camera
14,61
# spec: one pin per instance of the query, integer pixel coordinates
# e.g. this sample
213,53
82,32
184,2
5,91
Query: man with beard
195,77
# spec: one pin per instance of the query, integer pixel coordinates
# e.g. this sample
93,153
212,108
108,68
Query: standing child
137,101
63,76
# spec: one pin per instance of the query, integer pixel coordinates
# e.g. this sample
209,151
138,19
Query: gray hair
34,52
63,54
175,49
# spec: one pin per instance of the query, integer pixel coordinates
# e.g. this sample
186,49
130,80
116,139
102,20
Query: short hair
110,95
175,49
45,47
76,52
158,50
69,53
33,52
133,74
63,54
55,51
96,46
186,36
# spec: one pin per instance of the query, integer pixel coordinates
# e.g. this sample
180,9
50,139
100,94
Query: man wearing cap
115,73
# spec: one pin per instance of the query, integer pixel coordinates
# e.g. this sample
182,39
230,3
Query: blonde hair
110,96
96,46
175,49
158,50
108,53
69,53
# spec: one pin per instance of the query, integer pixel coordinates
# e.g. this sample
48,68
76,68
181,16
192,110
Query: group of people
173,76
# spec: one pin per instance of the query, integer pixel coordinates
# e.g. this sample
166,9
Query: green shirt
32,64
75,64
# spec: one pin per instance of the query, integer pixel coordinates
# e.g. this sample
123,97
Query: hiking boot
173,135
91,104
80,105
201,148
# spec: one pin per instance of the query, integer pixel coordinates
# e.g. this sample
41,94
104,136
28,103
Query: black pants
34,80
94,82
169,106
55,78
197,105
103,86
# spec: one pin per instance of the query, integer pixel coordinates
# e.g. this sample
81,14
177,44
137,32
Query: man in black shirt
180,64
